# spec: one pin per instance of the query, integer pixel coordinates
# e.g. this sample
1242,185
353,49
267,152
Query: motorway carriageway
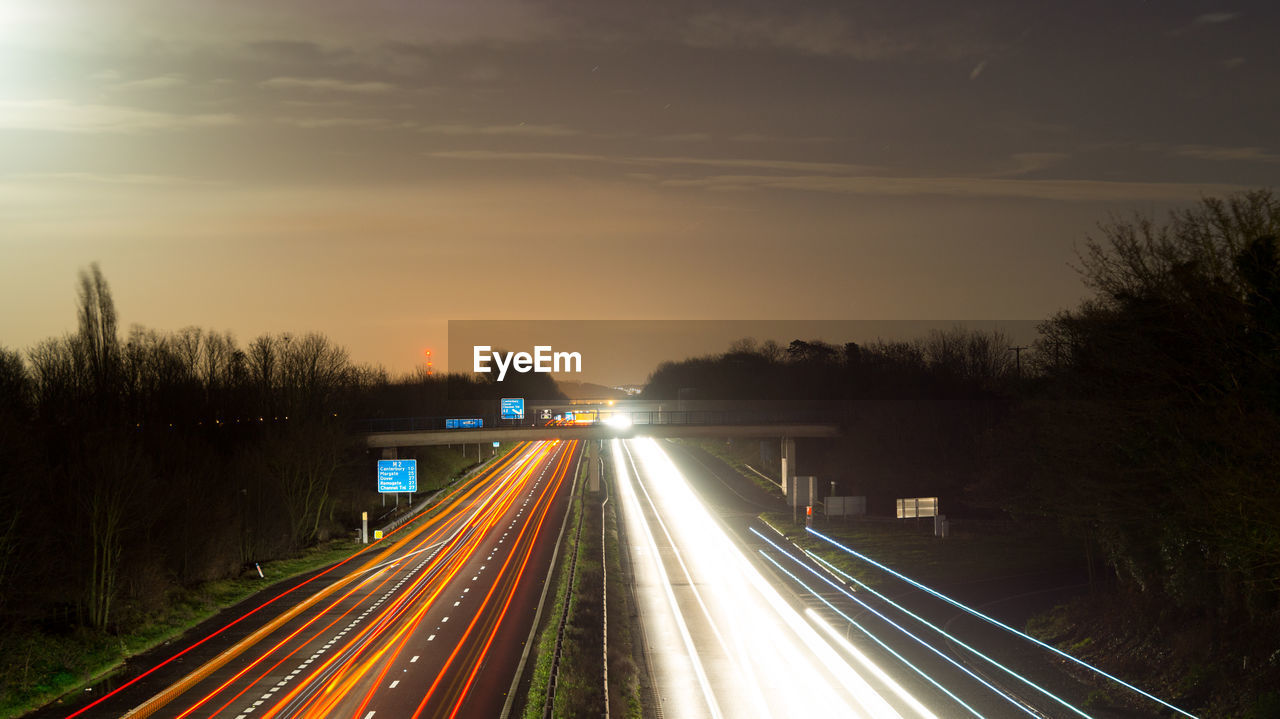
749,625
434,625
721,640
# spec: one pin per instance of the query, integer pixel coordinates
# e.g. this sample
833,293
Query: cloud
977,70
66,116
810,34
1232,63
757,137
1216,18
521,129
326,84
310,123
520,156
1209,18
971,187
872,36
684,137
1027,162
850,179
95,178
757,164
1224,154
158,82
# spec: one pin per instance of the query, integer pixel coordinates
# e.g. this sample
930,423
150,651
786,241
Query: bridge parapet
420,438
647,418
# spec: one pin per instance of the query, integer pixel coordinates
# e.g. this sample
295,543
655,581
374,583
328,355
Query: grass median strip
579,676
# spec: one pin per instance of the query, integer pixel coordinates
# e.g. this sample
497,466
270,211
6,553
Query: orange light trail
437,525
343,673
484,650
544,503
337,691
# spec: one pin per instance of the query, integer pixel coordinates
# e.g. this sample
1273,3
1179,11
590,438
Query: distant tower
430,371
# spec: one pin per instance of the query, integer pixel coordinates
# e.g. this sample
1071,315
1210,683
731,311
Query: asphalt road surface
431,621
729,612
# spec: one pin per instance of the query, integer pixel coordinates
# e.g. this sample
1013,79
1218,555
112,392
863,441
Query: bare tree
302,461
110,475
98,343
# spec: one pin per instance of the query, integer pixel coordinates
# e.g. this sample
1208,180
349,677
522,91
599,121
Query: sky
373,170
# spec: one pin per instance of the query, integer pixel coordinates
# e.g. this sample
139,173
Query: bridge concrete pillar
389,453
788,466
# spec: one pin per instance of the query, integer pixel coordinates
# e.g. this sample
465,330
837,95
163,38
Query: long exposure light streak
1000,624
951,637
722,594
329,684
632,503
901,658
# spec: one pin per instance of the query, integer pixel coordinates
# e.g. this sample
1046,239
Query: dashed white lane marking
393,684
378,603
329,645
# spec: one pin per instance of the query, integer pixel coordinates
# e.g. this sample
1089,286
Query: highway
721,641
738,621
432,622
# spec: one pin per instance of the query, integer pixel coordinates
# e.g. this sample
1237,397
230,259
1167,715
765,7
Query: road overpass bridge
392,434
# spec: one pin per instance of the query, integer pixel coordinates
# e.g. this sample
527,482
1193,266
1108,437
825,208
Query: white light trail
862,659
772,651
1000,624
635,520
904,630
927,623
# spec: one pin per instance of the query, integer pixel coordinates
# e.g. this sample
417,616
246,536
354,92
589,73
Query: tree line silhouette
131,465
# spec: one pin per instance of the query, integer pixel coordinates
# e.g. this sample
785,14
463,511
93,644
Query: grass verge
41,666
964,557
744,457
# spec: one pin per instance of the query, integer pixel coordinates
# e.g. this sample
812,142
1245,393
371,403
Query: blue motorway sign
397,475
512,407
463,423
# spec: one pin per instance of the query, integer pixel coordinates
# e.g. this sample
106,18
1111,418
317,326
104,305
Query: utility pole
1018,353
